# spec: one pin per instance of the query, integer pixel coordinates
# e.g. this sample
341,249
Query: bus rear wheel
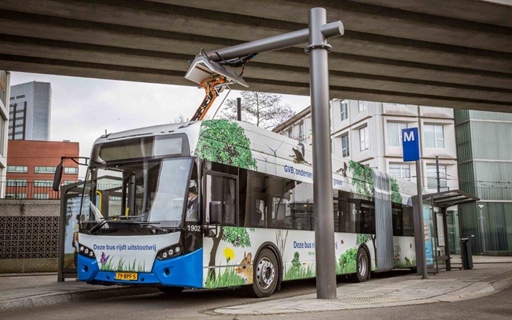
266,274
362,268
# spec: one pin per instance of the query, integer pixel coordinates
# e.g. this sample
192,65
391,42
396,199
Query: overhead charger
203,68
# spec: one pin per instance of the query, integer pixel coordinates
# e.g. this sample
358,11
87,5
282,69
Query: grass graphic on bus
406,262
107,264
347,263
230,274
297,270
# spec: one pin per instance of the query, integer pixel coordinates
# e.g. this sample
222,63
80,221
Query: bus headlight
169,252
85,251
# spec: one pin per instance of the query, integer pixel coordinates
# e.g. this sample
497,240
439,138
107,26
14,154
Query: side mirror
215,212
57,177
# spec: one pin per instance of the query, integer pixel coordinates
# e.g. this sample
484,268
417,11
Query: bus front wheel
362,268
171,290
266,274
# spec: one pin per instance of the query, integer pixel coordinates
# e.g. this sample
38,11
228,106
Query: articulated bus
221,203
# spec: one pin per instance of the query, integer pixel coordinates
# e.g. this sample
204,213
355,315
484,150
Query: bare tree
259,108
179,119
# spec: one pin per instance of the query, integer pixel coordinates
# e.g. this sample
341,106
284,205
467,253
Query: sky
82,109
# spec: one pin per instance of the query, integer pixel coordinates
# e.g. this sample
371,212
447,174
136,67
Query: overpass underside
448,53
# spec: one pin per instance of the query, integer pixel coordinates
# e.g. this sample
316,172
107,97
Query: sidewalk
489,275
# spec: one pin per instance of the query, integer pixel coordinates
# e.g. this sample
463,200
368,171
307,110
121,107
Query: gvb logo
410,144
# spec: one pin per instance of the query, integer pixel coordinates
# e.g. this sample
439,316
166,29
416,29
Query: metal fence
22,190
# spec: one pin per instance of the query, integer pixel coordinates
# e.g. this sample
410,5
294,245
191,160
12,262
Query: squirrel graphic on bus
245,269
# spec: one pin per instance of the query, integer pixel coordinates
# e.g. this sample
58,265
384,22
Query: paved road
27,297
201,305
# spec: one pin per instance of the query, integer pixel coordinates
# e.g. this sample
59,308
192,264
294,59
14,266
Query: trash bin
466,255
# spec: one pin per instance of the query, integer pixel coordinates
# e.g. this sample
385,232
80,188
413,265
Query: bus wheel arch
267,271
363,265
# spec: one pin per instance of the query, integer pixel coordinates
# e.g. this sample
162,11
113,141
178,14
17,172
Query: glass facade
484,150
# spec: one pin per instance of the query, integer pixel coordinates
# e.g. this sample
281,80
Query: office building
30,174
30,111
370,133
484,152
4,122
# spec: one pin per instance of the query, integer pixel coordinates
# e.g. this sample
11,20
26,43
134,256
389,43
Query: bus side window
256,208
229,197
223,189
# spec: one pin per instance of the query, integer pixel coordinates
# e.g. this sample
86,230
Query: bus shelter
435,227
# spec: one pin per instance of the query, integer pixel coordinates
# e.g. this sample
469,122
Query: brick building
31,166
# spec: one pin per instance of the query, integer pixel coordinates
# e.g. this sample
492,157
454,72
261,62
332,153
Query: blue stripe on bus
182,271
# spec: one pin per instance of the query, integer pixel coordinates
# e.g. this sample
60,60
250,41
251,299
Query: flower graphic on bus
104,258
229,254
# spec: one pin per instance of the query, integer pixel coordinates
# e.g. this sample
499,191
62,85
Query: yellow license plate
131,276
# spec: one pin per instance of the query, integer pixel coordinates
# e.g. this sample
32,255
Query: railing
18,190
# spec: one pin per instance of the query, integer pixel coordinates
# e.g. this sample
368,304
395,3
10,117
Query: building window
2,130
16,183
44,169
363,138
41,196
17,169
400,170
361,105
345,148
302,134
395,133
16,196
434,136
43,183
432,177
68,170
344,110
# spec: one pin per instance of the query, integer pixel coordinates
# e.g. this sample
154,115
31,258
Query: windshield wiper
114,219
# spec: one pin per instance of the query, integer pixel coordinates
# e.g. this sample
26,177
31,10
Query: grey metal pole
438,179
420,219
481,220
333,29
239,108
322,163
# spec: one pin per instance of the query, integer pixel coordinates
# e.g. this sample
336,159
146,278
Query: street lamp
481,223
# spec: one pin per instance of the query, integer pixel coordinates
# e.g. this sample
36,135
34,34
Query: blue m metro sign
411,144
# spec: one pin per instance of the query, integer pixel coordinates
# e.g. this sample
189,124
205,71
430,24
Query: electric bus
221,203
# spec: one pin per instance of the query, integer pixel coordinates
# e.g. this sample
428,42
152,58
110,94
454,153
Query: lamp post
481,220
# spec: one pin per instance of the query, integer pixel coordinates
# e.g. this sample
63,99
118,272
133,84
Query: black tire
362,266
265,274
171,290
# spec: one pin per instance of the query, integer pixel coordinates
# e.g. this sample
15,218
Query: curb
64,297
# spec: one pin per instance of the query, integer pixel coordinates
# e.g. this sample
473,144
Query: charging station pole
322,161
316,34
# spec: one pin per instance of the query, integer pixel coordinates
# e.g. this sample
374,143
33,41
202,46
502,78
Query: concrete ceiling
449,53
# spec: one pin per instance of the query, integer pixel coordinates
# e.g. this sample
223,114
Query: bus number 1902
193,228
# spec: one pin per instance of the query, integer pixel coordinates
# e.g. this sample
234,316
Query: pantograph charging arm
212,87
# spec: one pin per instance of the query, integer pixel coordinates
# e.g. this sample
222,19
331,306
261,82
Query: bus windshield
153,193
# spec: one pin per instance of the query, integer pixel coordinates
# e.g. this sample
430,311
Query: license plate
131,276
